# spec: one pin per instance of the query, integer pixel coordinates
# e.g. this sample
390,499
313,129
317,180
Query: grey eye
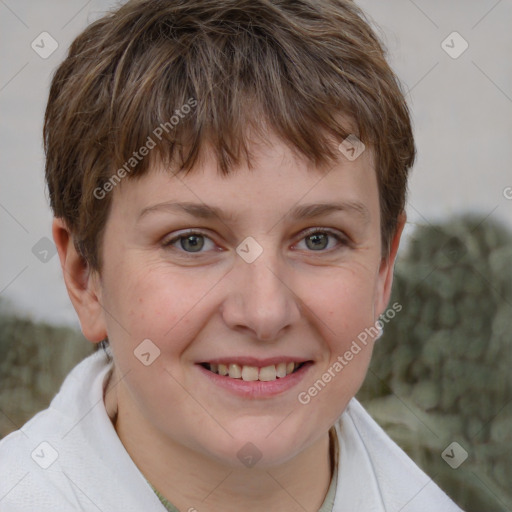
192,243
317,241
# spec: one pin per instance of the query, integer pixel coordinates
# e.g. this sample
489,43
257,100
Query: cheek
344,302
344,308
159,304
155,317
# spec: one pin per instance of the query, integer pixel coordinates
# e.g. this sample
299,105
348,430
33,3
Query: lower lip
257,388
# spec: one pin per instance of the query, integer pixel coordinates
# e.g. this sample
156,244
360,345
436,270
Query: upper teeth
251,373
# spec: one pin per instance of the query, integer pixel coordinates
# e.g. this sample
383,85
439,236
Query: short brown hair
293,66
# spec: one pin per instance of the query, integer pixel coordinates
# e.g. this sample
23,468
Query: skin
182,431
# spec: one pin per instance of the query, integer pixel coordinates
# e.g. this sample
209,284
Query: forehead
279,181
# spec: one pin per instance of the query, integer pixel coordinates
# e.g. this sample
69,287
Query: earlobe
82,284
387,267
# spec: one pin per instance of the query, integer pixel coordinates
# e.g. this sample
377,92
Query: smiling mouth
253,373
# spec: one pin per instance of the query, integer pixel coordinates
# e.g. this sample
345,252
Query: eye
317,239
189,242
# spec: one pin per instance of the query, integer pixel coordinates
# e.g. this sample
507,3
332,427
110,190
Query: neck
194,482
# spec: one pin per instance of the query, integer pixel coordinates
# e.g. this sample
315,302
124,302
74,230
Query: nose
259,300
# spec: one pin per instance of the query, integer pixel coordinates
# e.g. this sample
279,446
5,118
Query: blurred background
440,381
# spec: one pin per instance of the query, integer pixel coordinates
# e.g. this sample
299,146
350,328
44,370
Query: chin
263,450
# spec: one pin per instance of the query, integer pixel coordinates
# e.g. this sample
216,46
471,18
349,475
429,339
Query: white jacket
68,458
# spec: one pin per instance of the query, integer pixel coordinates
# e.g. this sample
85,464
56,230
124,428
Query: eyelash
342,240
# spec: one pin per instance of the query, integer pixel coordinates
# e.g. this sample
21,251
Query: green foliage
447,357
35,358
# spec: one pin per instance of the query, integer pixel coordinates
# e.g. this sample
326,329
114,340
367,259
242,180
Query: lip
257,389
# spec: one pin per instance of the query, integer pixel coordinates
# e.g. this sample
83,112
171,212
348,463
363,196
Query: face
244,274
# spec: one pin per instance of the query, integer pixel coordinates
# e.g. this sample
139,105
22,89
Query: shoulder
33,459
81,388
69,457
396,481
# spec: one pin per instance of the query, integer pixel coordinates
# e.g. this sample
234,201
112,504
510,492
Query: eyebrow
303,211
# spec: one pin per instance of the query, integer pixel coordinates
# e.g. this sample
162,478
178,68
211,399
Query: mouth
254,378
252,373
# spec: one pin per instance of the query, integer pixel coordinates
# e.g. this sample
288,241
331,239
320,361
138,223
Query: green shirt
327,505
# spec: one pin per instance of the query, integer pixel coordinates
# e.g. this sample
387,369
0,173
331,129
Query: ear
83,285
385,279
